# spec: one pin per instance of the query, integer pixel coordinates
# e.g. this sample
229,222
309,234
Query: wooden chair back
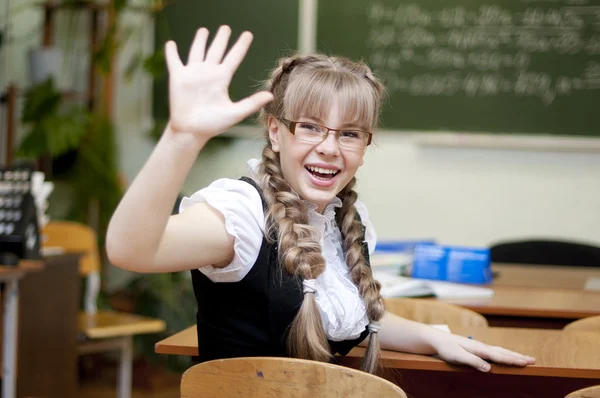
74,237
589,324
434,312
589,392
260,377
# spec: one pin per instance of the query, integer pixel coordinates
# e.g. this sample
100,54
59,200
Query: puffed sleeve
370,236
241,206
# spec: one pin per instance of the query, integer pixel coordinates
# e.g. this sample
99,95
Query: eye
310,126
350,134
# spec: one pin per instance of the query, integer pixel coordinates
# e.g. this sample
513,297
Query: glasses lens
310,132
353,139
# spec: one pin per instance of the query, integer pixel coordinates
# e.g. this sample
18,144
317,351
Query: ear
274,131
362,158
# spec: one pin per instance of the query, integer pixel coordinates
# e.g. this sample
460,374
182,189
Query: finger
219,45
466,358
172,56
498,355
235,56
529,360
198,46
251,104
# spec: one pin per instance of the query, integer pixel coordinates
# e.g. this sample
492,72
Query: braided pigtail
299,254
360,271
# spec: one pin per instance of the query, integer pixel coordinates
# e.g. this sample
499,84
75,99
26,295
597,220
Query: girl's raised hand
199,100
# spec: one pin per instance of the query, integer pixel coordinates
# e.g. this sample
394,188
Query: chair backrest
77,237
261,377
74,237
434,312
589,324
546,252
589,392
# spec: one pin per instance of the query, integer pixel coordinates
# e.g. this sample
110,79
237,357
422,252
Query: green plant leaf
33,144
41,101
119,5
133,66
65,132
105,54
53,129
155,64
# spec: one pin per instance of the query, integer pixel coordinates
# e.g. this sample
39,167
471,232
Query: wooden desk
566,361
182,343
10,321
526,275
547,308
50,303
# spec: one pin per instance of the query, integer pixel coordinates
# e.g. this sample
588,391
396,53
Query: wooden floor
104,390
101,382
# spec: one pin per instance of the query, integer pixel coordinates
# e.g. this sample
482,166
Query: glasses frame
291,125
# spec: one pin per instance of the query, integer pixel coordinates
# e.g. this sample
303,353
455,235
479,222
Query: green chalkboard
274,24
510,66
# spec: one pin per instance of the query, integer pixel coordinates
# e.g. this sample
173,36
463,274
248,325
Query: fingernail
485,367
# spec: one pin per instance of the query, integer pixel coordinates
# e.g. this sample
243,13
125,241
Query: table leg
125,368
9,339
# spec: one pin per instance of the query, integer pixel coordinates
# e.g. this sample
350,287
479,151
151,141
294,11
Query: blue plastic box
396,256
394,246
452,264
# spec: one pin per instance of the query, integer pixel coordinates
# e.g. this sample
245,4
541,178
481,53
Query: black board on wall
482,66
274,24
510,66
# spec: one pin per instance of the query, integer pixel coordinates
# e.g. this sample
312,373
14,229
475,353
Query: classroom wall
458,196
454,195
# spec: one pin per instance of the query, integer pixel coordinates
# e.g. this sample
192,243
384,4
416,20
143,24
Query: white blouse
342,309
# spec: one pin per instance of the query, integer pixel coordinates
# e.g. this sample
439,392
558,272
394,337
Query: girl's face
316,172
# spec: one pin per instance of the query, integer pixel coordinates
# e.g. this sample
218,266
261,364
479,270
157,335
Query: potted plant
81,144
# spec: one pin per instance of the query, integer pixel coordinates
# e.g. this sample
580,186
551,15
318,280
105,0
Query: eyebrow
344,125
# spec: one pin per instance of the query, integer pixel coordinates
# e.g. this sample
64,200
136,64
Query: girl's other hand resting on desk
400,334
461,350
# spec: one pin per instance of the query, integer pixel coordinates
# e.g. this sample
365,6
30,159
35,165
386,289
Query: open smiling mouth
321,173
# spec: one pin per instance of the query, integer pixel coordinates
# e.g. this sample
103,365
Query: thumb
251,104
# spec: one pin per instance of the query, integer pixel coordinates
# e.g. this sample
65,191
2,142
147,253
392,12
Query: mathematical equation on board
546,49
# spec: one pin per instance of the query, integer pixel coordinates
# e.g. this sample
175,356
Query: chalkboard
510,66
491,66
274,24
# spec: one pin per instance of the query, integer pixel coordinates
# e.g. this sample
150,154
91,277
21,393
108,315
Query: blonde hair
305,84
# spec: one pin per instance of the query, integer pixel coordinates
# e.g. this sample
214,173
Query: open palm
199,91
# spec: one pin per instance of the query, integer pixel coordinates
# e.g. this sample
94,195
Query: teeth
321,170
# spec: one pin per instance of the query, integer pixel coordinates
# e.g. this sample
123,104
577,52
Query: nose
330,145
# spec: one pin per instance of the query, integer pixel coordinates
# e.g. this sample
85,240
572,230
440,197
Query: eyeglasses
315,133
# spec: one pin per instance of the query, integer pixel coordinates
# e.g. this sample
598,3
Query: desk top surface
535,302
547,276
25,266
558,353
